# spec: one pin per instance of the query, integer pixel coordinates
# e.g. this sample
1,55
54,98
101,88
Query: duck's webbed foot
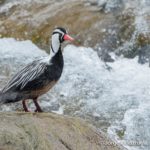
38,108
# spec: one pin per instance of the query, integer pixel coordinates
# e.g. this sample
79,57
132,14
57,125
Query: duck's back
35,79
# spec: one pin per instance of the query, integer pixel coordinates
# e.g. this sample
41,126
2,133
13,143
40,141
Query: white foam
10,47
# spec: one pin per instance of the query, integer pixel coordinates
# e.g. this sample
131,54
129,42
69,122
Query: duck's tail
8,98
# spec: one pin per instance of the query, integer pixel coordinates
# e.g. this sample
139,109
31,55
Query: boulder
47,131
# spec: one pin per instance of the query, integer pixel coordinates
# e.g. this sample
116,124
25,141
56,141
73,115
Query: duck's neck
54,48
57,59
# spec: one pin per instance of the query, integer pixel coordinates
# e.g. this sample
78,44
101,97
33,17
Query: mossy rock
143,39
45,131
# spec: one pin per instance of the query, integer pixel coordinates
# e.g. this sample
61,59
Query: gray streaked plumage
27,74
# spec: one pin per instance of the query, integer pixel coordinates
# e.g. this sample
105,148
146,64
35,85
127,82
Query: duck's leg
25,106
38,108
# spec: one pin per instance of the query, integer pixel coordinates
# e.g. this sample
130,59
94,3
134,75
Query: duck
39,76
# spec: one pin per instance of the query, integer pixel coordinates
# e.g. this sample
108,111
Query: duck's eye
61,37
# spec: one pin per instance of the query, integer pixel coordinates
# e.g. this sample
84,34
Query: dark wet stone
144,54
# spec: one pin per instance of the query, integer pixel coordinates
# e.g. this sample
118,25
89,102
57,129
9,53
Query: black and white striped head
59,35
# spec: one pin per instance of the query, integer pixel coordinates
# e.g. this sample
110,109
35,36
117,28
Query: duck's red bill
68,38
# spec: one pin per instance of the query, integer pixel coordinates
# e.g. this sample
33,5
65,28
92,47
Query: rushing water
114,96
133,130
117,97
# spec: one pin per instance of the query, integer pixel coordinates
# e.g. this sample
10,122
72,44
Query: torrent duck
38,77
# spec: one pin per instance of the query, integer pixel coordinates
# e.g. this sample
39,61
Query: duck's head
59,35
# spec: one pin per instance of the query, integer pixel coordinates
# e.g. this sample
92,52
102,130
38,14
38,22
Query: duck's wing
26,75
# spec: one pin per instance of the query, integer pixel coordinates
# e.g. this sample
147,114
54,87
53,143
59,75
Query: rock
47,131
2,1
109,5
144,54
36,20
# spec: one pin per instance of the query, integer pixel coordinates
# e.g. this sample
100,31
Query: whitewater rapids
115,93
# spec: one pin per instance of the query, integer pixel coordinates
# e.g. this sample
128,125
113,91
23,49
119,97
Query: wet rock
109,5
144,55
50,132
104,55
2,1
